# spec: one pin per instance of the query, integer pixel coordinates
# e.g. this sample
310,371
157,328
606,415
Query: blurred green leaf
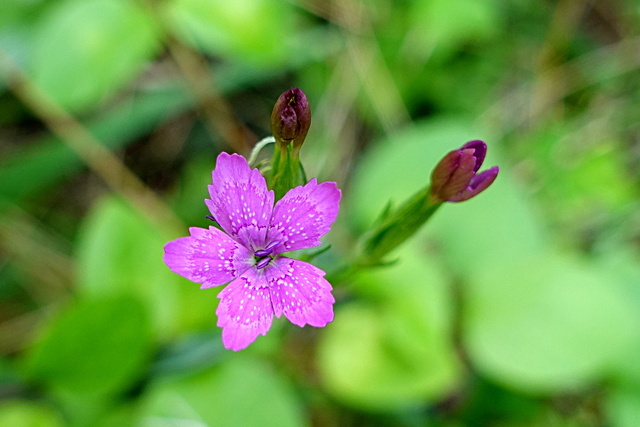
94,348
580,173
621,260
623,407
27,414
188,200
546,324
443,25
120,253
540,321
396,350
256,32
87,49
243,391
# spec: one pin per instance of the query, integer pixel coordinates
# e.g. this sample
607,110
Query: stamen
272,245
267,250
210,218
263,263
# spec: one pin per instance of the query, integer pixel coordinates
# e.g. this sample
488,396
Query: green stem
285,170
396,227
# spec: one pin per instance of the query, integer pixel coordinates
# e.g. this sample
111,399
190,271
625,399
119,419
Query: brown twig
102,161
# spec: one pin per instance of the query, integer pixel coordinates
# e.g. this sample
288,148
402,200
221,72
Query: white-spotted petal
240,201
245,310
300,292
208,256
304,215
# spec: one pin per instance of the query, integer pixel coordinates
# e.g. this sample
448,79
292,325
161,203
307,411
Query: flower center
263,256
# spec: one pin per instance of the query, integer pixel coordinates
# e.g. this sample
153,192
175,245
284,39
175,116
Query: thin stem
102,161
216,111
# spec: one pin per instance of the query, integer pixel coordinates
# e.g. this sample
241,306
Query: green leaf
623,407
27,414
120,253
393,349
242,391
94,348
85,50
546,324
445,25
254,32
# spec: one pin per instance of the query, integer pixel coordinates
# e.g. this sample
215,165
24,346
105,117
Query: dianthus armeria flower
247,252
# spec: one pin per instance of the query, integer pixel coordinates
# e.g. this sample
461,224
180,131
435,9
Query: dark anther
263,262
267,250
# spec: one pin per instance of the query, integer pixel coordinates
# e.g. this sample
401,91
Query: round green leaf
546,324
87,49
120,253
394,350
240,392
94,348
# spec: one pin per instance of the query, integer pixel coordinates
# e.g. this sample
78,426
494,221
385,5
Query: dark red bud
291,118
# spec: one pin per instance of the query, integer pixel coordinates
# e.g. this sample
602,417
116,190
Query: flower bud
291,118
455,178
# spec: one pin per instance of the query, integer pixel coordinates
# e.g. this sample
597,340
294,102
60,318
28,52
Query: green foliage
517,308
18,413
214,397
557,328
120,253
95,348
253,32
84,50
393,349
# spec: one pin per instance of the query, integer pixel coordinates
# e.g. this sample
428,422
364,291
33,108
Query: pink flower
262,282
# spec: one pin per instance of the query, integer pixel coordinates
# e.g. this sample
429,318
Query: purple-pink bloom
248,253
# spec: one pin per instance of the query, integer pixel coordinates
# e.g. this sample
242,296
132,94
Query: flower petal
245,310
208,256
299,290
477,185
479,151
240,201
304,215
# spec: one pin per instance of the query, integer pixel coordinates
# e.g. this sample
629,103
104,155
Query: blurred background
520,307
